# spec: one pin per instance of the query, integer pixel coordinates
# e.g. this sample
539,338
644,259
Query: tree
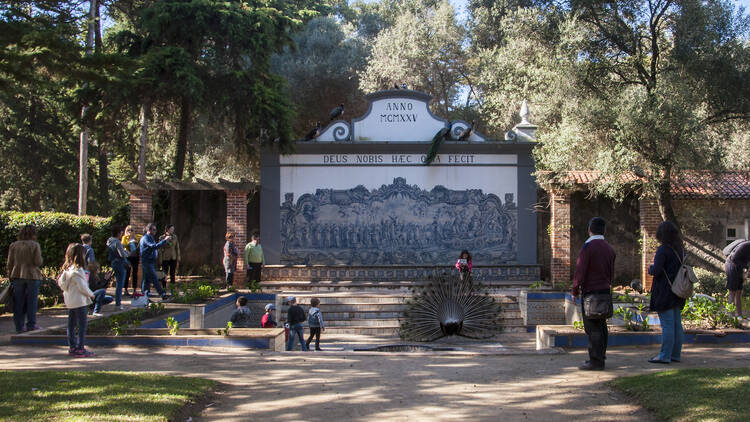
321,71
640,108
422,49
220,53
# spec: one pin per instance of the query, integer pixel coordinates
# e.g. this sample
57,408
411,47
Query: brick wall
141,209
560,237
237,223
650,220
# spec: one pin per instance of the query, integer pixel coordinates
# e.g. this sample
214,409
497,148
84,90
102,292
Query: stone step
368,331
381,307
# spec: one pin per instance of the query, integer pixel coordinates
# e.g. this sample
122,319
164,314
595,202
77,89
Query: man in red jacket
595,270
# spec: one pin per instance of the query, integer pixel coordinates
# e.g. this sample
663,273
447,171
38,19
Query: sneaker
83,353
166,297
73,351
33,327
97,314
121,308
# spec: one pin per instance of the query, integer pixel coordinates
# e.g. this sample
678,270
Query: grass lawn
95,396
692,394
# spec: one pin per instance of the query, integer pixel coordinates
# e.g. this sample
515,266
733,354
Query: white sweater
75,288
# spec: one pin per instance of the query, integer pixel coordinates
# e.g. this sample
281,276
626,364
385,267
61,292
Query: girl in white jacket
77,297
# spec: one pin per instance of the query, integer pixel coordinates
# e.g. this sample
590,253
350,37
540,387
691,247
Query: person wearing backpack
315,322
736,263
667,262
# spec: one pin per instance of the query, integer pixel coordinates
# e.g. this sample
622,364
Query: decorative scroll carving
338,131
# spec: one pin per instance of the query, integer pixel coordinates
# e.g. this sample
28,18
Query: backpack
682,285
313,320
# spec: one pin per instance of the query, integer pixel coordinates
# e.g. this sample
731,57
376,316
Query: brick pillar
237,224
650,218
141,210
560,236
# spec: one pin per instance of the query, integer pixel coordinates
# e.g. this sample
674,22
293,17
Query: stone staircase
374,308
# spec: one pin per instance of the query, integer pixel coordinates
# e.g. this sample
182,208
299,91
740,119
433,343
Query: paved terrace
501,380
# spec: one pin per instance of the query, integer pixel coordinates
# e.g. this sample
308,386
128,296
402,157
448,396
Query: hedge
55,231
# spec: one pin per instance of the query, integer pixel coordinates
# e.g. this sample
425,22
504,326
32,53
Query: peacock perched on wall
446,306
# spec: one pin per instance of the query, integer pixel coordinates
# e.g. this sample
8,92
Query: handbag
598,306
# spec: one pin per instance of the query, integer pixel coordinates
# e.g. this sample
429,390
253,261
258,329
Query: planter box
542,308
549,336
254,338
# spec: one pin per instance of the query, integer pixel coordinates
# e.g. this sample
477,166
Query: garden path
364,386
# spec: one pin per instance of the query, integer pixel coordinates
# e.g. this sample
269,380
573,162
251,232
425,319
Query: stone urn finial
524,113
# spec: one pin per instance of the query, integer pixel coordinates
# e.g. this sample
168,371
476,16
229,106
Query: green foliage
636,319
423,49
54,232
578,325
173,326
702,312
119,323
225,331
692,395
322,71
195,292
710,283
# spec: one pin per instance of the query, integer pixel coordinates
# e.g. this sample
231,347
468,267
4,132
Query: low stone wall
394,272
548,336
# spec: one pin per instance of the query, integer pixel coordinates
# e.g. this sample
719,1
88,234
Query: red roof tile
688,184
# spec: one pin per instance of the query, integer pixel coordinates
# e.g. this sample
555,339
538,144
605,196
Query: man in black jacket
295,317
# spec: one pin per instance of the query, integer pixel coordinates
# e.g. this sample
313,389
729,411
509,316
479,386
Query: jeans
100,299
149,276
598,333
118,267
76,320
133,272
671,334
229,278
299,331
25,302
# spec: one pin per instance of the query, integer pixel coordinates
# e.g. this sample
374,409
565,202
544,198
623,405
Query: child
464,264
89,251
315,322
241,316
77,296
295,318
268,321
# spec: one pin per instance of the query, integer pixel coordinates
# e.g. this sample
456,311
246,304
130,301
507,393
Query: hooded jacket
115,251
75,288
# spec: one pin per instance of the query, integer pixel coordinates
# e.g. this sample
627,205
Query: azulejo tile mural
398,224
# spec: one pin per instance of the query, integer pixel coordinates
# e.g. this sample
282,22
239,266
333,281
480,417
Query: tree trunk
83,168
145,114
182,138
103,180
664,200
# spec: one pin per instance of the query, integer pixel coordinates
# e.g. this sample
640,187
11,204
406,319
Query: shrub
195,292
710,283
703,312
55,231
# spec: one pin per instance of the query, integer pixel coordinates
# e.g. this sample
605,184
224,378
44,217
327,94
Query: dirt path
357,386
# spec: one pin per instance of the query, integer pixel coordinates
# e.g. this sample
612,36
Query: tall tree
643,106
422,49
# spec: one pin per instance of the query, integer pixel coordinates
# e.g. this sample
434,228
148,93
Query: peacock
437,140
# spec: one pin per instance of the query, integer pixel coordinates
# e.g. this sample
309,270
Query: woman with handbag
667,262
24,260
